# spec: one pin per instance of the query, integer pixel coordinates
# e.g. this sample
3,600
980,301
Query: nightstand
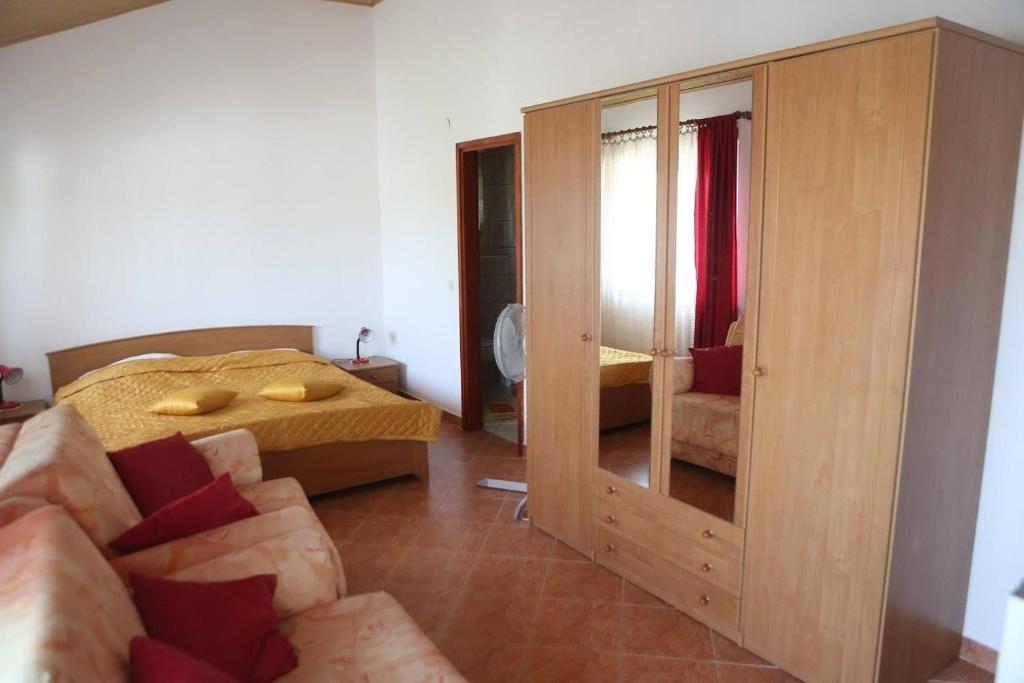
28,409
381,371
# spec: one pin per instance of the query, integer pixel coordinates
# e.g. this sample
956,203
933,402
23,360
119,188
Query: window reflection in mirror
710,296
629,176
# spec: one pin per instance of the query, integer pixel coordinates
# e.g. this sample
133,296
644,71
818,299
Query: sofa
705,427
66,609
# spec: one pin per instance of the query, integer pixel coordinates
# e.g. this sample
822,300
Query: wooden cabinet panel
660,576
843,177
716,569
562,176
972,166
684,522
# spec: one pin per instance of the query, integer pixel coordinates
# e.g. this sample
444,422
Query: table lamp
10,376
365,335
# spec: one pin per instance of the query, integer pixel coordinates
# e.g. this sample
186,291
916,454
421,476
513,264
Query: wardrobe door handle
586,337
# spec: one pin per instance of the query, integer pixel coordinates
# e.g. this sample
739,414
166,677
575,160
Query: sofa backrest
734,337
58,457
66,614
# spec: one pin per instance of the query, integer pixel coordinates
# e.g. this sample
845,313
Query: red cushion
276,658
158,472
156,662
230,624
214,505
717,370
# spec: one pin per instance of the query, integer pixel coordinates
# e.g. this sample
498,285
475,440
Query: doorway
490,277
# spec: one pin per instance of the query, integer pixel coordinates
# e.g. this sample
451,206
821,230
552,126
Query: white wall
463,69
198,163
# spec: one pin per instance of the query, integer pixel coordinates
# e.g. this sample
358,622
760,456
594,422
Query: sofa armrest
682,374
234,452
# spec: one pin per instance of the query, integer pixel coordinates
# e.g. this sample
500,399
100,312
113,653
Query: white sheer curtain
629,176
686,272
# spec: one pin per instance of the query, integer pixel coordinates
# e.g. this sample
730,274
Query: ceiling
26,19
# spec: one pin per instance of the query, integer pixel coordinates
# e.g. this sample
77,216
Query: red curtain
714,226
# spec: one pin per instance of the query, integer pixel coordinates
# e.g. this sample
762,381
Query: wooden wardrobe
881,186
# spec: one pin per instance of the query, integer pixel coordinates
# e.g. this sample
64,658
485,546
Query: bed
625,388
361,435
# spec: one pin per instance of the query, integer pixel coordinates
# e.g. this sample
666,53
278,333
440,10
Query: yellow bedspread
115,399
619,367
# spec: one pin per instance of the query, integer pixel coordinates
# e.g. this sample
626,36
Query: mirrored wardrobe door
628,248
706,295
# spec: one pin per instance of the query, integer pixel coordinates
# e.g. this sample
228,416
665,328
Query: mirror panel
708,297
628,256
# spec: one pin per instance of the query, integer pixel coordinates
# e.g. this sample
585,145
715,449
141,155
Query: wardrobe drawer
705,531
717,569
701,599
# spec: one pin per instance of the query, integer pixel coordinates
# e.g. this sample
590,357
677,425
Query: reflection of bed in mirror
625,388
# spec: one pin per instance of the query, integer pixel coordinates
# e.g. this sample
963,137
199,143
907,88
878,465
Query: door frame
469,271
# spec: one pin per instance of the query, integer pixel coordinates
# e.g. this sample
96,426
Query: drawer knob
585,337
610,489
610,547
758,372
706,567
705,600
708,533
610,519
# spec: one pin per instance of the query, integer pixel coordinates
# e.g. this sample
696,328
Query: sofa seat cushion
710,421
366,637
66,615
274,494
290,543
58,457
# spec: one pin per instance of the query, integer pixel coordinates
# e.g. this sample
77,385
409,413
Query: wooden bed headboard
68,365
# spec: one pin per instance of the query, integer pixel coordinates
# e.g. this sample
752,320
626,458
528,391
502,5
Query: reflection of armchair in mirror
705,432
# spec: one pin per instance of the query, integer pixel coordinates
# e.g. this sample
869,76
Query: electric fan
510,357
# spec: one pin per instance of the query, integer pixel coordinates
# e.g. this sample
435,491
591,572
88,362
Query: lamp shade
11,375
366,335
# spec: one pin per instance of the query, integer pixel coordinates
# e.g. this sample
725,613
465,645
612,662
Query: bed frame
624,405
320,469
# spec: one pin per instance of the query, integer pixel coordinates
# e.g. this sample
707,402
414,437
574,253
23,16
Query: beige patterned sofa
66,610
705,427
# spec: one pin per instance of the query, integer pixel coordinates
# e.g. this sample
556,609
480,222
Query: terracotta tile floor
506,602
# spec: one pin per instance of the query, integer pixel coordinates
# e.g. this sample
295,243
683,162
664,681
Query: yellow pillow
194,401
300,389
